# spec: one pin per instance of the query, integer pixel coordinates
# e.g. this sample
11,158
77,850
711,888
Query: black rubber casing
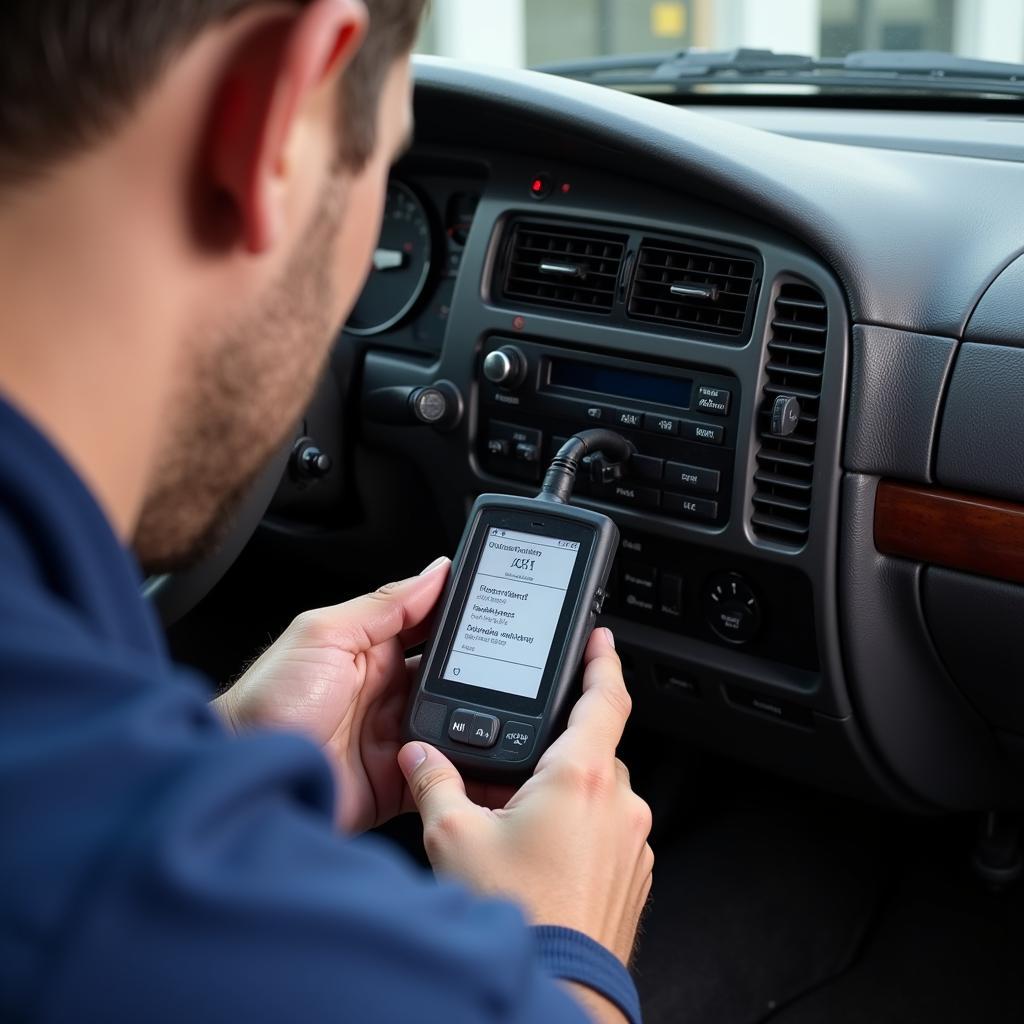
435,699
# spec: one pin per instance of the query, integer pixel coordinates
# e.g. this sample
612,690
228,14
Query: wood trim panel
979,535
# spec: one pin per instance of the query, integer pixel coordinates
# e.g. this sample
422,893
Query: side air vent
563,265
796,362
686,286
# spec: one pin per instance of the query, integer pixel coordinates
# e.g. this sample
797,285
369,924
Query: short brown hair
70,70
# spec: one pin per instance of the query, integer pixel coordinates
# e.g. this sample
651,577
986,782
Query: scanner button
484,731
517,737
460,727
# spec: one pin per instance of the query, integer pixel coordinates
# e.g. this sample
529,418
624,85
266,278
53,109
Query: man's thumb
434,782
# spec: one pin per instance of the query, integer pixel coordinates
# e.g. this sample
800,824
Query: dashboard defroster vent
686,286
794,370
563,265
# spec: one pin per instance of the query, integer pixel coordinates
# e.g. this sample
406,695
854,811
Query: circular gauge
401,265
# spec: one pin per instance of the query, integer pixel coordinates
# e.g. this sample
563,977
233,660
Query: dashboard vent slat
795,366
563,265
686,286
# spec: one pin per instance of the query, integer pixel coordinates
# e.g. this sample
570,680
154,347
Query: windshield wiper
864,69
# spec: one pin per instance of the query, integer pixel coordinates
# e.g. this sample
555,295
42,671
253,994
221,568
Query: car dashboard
812,346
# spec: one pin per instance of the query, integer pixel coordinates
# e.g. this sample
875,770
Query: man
190,192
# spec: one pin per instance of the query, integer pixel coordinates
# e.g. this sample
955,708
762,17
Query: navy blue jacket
155,868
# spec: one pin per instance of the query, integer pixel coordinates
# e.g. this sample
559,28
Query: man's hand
570,846
339,676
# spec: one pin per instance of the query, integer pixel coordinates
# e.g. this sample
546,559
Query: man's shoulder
57,667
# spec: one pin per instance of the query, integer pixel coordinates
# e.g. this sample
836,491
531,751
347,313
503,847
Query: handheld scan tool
526,587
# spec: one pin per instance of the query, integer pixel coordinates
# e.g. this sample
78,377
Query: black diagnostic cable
561,475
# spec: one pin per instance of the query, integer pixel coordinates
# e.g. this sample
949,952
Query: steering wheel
176,594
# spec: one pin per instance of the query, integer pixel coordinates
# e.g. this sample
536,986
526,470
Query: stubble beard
240,401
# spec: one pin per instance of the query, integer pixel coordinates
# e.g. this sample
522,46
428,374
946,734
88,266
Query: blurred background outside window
524,33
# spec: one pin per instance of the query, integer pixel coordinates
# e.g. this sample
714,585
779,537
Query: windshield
527,33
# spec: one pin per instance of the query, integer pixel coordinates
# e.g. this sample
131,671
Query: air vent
563,265
796,362
689,287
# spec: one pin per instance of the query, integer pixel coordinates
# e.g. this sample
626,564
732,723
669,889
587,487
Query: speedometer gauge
401,265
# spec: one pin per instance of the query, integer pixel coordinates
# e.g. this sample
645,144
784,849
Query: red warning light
566,188
538,185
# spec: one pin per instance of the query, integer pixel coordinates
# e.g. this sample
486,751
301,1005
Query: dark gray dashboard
901,254
914,238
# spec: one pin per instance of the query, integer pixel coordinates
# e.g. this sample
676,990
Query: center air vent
796,363
563,265
686,286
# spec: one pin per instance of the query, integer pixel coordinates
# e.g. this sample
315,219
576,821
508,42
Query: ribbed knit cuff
573,956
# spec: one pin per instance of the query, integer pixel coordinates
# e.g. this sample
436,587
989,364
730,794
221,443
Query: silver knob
430,405
505,367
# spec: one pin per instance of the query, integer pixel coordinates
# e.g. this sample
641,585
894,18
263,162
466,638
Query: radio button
513,433
714,401
514,451
528,452
661,424
706,433
645,467
690,508
630,494
693,478
630,420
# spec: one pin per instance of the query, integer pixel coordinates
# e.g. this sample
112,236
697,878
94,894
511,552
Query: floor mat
945,950
758,898
775,904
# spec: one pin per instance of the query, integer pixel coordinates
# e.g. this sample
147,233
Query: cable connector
561,475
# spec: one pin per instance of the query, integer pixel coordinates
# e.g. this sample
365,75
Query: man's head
251,139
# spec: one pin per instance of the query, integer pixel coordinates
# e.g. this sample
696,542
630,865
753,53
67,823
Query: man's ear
280,64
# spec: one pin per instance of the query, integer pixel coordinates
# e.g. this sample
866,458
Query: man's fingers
599,717
437,788
417,629
397,609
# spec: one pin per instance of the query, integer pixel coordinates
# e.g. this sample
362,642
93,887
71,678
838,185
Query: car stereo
683,423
